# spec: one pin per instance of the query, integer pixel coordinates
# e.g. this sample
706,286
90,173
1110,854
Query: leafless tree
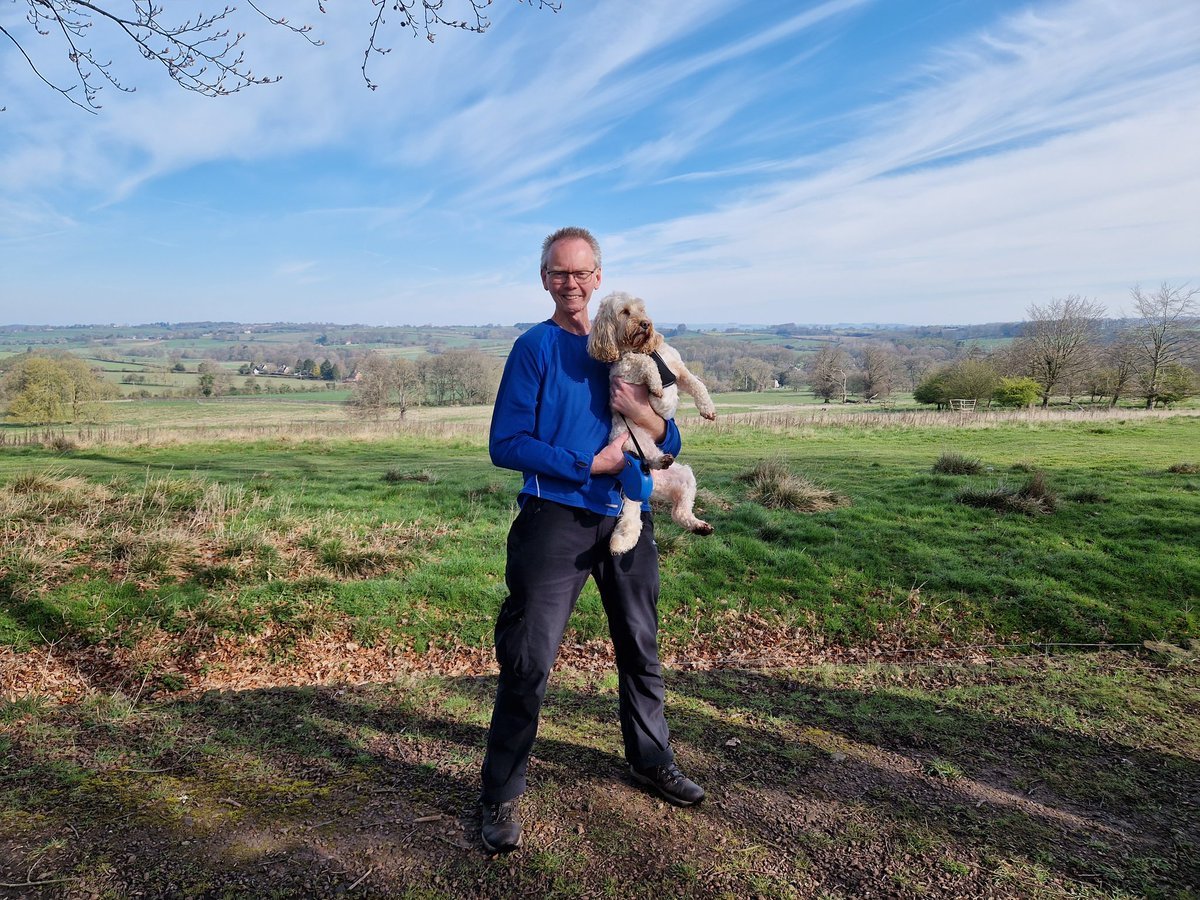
1164,334
383,383
198,48
915,366
750,374
1058,339
1118,366
877,372
459,378
827,372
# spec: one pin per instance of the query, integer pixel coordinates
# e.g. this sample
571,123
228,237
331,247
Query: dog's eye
624,312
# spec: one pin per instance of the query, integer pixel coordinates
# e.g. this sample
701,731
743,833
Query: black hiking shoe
499,827
670,784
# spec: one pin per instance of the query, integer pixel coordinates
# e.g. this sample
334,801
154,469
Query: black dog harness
668,379
667,376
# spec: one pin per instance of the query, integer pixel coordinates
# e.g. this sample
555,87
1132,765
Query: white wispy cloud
1051,151
1055,152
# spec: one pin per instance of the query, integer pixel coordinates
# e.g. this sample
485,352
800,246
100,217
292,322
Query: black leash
668,379
640,455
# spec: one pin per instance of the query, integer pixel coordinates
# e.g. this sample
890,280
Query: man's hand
611,459
633,402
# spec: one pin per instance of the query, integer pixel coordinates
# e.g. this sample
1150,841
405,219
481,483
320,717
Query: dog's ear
602,340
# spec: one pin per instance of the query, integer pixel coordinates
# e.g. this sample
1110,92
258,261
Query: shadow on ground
892,783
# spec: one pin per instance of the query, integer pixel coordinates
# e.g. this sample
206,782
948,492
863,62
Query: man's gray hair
571,231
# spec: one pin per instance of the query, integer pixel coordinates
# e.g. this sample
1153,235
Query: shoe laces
670,773
501,812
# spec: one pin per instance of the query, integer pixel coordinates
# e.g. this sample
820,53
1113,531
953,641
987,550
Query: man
551,422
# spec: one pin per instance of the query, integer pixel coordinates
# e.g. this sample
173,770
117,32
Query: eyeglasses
560,277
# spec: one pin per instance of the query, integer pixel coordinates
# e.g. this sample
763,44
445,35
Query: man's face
570,255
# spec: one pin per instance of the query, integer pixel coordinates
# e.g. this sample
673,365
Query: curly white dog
622,334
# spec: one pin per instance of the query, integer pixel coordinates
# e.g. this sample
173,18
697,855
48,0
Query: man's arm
511,441
633,401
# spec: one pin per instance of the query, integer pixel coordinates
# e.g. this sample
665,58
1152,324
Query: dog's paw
710,414
703,529
663,462
619,545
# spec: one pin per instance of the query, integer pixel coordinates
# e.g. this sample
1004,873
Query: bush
967,379
775,486
1017,392
957,464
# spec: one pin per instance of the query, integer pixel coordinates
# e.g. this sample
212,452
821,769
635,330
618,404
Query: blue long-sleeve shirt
551,418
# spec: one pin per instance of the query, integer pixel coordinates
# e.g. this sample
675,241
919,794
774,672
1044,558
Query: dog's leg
629,528
679,486
690,384
649,375
654,457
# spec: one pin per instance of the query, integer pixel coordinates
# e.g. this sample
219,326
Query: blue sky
940,161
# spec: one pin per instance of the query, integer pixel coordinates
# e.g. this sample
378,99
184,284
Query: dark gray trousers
552,550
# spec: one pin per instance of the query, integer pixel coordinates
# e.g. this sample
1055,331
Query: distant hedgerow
957,464
1034,498
775,486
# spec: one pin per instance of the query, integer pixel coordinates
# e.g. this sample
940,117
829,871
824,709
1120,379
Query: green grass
404,525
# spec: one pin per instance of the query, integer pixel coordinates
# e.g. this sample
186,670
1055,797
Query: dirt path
1065,776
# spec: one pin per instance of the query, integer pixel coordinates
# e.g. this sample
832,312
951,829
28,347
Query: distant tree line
727,364
1068,349
393,384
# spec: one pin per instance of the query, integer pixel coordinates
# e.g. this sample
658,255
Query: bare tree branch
1165,333
1059,339
199,52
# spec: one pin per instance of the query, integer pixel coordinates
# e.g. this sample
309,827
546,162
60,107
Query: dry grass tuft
957,464
60,443
1034,498
775,486
175,529
1184,468
395,476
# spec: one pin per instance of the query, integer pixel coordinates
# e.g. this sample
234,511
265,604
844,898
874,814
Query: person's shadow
846,791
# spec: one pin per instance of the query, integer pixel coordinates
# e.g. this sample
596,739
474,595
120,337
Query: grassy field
268,658
902,562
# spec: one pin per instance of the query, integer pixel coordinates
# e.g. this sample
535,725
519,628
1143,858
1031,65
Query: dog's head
621,325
